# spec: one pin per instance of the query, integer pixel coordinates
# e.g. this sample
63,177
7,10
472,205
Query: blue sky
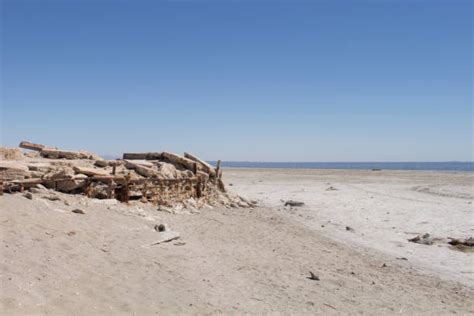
241,80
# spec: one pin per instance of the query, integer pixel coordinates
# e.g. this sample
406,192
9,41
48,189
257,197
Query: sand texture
246,261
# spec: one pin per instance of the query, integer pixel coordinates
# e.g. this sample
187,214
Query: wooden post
114,167
198,188
126,189
87,188
111,189
218,169
144,193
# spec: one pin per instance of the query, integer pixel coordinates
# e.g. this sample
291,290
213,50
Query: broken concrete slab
202,164
140,169
90,171
31,146
52,153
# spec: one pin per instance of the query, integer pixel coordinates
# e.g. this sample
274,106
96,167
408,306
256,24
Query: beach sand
236,261
382,208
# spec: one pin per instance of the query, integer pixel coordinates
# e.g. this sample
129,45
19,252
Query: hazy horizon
326,81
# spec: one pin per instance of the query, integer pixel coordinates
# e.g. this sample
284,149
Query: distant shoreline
415,166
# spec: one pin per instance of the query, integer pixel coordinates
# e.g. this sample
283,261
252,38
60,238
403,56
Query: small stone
101,163
293,203
28,195
160,228
78,211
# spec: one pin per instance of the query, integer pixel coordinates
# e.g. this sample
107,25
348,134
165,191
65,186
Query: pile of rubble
162,178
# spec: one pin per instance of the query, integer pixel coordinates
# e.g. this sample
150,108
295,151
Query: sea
426,166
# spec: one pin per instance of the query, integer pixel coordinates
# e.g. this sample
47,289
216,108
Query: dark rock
293,203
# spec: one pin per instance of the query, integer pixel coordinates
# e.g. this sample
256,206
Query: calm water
438,166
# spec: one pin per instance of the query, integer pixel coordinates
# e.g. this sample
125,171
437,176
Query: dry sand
237,261
383,208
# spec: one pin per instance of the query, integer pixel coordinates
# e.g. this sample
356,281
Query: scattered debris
71,233
425,239
51,197
78,211
28,195
350,229
293,203
330,306
331,188
383,265
402,258
466,242
165,236
464,245
313,276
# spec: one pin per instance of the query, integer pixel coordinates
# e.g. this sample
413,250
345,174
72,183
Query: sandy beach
382,208
246,260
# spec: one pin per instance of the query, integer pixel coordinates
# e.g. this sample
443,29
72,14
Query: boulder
101,163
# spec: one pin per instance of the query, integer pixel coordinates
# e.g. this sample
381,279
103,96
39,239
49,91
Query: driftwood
31,146
202,164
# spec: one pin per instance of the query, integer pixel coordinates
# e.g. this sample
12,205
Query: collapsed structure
161,178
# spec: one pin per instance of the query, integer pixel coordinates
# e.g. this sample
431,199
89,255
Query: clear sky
241,80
